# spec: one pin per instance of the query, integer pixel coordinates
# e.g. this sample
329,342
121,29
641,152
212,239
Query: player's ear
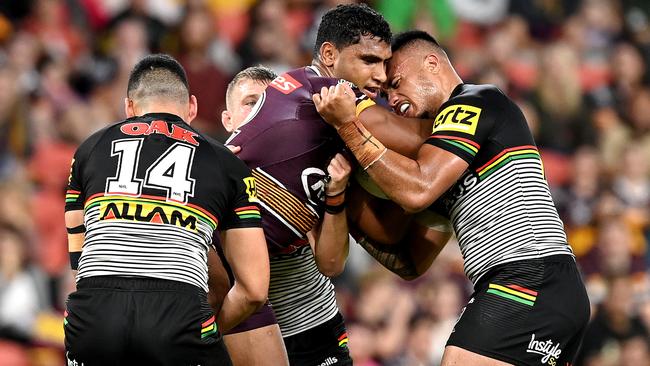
432,63
328,54
194,109
226,121
129,109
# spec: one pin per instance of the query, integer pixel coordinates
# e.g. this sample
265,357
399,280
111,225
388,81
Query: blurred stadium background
578,69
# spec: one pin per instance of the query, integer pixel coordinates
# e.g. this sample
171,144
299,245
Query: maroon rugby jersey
288,146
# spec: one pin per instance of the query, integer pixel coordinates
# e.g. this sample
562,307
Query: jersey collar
167,117
315,70
457,90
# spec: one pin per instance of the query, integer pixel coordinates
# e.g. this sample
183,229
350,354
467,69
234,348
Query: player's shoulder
483,95
91,141
217,147
222,154
293,83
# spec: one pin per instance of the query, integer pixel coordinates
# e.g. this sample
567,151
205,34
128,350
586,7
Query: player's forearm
396,258
246,252
74,222
332,244
237,306
398,176
402,180
380,219
400,134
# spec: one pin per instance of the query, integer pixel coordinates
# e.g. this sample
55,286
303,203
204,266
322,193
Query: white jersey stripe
301,296
507,216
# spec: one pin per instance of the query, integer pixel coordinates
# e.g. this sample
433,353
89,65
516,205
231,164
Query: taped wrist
365,147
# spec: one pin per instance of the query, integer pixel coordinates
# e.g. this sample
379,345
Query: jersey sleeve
462,126
362,101
74,195
244,210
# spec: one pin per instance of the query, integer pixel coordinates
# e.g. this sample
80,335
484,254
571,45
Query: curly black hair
345,24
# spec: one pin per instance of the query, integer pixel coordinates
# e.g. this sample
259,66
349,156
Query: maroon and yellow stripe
284,203
507,155
208,327
466,145
248,212
198,211
513,292
363,105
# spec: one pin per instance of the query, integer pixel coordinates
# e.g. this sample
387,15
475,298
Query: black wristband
77,229
330,209
74,260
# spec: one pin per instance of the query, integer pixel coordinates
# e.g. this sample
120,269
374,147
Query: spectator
578,70
19,294
208,81
614,324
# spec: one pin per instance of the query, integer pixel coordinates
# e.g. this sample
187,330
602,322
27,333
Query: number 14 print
170,172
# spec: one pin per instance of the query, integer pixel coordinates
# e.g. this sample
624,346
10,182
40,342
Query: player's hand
336,104
234,149
339,171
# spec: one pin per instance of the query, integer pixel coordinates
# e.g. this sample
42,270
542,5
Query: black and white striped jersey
153,190
501,208
301,296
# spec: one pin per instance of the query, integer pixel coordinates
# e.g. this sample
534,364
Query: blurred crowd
578,69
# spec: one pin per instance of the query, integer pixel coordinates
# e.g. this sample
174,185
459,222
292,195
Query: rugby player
257,340
289,147
480,168
144,198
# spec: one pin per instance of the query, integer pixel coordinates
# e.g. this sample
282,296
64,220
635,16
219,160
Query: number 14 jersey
153,190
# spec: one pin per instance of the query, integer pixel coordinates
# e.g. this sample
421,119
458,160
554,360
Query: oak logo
459,118
146,212
160,127
285,84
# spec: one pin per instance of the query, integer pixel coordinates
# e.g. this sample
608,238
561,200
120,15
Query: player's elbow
256,296
415,203
256,293
410,276
331,267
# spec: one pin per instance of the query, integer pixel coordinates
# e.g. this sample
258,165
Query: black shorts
263,317
322,345
530,312
139,321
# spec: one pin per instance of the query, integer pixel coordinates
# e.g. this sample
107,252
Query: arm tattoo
395,258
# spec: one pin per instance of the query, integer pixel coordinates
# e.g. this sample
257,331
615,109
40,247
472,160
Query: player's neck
322,69
170,108
450,84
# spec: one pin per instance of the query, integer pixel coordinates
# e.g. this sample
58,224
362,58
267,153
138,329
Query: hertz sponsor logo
459,118
146,212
